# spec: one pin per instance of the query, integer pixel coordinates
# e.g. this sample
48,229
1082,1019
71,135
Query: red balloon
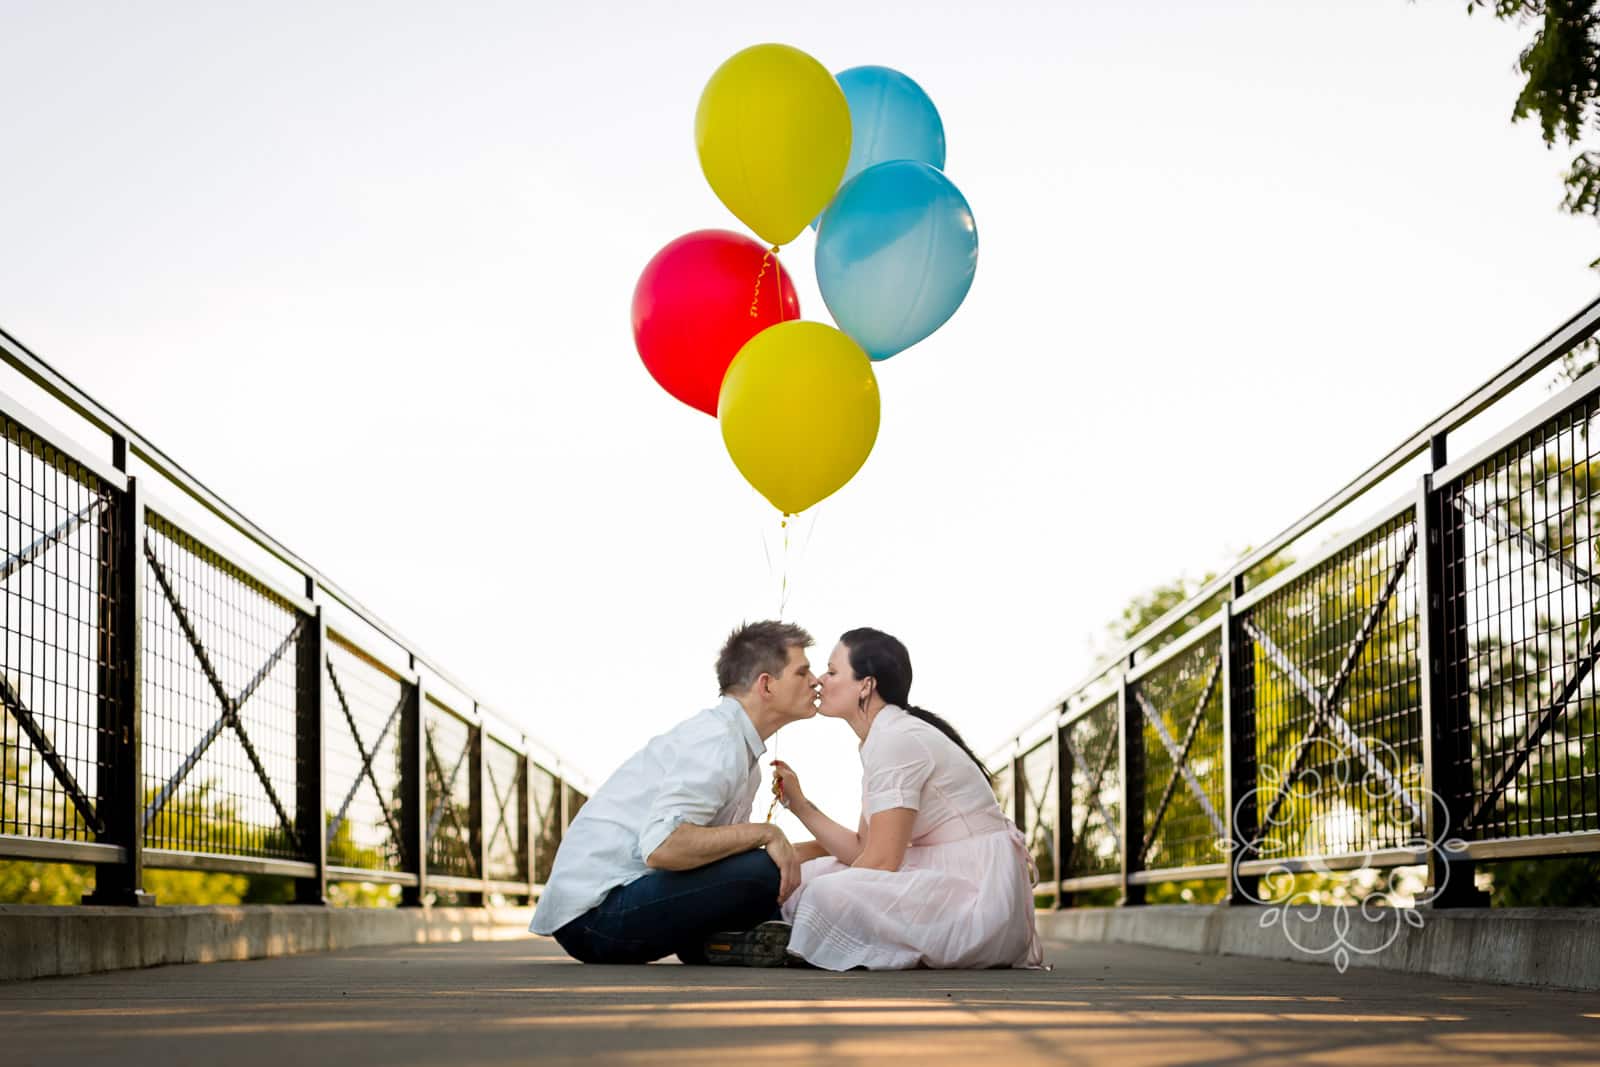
698,301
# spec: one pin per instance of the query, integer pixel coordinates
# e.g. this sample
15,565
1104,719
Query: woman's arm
833,838
888,837
810,850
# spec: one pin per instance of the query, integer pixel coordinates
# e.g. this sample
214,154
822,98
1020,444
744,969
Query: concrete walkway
521,1002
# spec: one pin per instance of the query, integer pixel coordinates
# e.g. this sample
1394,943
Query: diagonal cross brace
1095,803
366,761
1536,730
1153,717
1180,760
1490,516
58,766
230,705
501,827
447,786
1325,703
64,530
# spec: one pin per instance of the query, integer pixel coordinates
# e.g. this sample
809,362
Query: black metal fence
170,704
1419,690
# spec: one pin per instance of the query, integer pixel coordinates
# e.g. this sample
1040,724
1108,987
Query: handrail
1563,339
35,369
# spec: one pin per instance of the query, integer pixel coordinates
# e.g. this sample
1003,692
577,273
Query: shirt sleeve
896,768
704,775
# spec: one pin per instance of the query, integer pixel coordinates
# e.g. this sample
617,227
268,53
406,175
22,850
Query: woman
935,875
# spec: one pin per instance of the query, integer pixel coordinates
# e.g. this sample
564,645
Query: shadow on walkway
521,1002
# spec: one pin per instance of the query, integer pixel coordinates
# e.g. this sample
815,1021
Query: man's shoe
764,946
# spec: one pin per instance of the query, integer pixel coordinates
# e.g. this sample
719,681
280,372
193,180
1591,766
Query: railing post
119,784
1063,832
1239,754
1019,790
311,815
414,796
524,825
1130,762
1444,690
478,832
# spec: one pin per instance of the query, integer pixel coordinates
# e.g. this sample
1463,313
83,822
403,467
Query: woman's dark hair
880,656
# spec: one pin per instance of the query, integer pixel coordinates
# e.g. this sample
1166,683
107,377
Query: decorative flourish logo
1308,824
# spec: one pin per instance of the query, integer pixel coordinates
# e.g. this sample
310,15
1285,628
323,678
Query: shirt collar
890,711
734,712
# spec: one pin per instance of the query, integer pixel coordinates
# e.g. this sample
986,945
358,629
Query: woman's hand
789,785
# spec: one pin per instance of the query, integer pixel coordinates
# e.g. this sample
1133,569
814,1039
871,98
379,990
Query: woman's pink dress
963,896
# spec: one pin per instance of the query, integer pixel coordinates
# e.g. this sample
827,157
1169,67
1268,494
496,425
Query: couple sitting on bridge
664,859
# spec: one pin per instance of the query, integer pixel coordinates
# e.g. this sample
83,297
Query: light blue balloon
890,118
896,254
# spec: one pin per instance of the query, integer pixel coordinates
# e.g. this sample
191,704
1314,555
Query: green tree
1561,85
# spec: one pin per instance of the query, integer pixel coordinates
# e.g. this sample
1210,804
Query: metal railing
1420,690
171,704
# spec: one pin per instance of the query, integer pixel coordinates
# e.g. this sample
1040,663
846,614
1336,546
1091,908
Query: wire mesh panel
1184,794
448,756
220,703
502,812
363,706
1519,552
1038,787
1332,675
1090,741
544,796
55,605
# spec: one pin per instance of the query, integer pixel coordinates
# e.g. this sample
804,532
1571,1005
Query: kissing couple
664,859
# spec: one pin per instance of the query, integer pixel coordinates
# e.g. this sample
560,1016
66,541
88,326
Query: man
664,854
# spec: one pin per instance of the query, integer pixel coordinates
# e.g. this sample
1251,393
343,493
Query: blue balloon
890,118
896,254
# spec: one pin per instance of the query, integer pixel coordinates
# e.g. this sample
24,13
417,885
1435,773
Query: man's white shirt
704,771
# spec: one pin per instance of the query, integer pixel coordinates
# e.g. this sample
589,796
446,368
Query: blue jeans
668,912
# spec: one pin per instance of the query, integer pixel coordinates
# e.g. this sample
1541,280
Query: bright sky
366,270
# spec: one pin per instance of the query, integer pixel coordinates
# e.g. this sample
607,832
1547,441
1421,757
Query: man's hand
784,855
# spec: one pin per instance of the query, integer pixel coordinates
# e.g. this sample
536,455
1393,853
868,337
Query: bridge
1272,823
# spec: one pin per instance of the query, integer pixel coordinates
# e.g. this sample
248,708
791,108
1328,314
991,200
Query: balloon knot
755,299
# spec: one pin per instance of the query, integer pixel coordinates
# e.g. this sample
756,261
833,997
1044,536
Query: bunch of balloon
897,248
715,314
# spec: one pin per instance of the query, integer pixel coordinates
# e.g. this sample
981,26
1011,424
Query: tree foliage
1561,84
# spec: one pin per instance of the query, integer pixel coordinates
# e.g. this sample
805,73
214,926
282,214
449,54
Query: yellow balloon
773,133
799,412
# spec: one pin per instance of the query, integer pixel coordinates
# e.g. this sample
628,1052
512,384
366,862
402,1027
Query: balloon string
783,582
755,299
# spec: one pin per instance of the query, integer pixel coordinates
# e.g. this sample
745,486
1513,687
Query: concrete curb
39,942
1555,947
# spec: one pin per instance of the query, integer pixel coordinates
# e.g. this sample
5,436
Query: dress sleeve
706,776
895,768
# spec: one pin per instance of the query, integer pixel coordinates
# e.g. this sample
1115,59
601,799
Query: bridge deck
517,1002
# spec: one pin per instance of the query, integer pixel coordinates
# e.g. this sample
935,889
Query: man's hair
754,649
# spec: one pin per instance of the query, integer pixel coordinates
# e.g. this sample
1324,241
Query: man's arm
690,846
